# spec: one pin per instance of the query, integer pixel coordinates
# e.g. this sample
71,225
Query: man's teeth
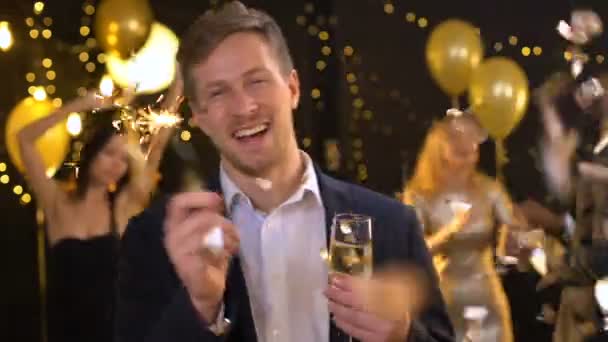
250,131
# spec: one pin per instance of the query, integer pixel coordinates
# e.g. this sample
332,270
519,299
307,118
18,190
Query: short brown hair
211,28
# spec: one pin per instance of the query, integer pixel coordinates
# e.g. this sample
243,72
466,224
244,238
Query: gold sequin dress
467,276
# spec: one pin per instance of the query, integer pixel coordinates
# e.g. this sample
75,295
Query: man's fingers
345,298
342,281
182,205
194,226
364,324
231,239
354,331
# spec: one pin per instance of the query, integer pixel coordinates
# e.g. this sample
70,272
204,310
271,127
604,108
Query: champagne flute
350,246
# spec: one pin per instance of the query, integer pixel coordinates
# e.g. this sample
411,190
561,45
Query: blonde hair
426,179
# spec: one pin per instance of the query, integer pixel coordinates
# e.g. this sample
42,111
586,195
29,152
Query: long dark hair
98,133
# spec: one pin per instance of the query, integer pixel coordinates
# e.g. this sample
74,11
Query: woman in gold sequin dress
446,172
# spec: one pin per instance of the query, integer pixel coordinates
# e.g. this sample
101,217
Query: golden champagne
353,259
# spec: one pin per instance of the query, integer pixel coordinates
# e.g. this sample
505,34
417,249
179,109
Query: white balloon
152,69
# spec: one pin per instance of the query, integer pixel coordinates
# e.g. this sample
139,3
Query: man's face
244,103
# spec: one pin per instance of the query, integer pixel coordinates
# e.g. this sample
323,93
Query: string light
309,8
74,124
321,65
91,43
185,135
513,40
306,142
410,17
525,51
38,7
4,179
89,9
348,51
26,198
39,94
83,56
313,30
46,33
18,189
351,78
50,75
423,22
34,33
47,63
358,103
84,31
6,36
90,66
2,167
389,8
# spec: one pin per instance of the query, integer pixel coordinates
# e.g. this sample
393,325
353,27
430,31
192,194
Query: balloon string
455,102
501,158
40,234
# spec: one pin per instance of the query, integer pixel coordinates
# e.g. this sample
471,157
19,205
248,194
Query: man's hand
358,317
190,216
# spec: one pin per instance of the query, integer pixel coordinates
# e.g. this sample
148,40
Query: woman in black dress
84,225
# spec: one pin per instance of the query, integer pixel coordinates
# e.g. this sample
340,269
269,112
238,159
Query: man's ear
197,117
294,87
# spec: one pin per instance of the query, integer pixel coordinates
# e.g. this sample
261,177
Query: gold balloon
453,51
52,145
122,26
499,95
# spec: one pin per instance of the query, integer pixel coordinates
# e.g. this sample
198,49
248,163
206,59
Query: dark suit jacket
153,305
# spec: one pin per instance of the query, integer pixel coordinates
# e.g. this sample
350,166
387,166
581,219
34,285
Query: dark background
378,141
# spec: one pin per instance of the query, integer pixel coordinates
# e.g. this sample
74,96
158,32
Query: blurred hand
92,100
459,221
531,239
190,216
538,215
374,310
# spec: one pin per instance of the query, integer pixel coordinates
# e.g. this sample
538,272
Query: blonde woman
446,173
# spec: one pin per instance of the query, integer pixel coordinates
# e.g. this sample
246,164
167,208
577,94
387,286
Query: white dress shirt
281,262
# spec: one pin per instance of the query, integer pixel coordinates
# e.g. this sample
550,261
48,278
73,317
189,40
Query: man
269,282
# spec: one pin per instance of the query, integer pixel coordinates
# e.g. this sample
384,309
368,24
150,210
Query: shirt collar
309,183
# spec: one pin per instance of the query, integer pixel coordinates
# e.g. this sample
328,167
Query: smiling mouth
251,132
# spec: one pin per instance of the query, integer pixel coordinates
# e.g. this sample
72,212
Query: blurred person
574,161
446,172
84,224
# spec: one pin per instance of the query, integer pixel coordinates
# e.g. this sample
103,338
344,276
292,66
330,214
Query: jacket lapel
335,200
